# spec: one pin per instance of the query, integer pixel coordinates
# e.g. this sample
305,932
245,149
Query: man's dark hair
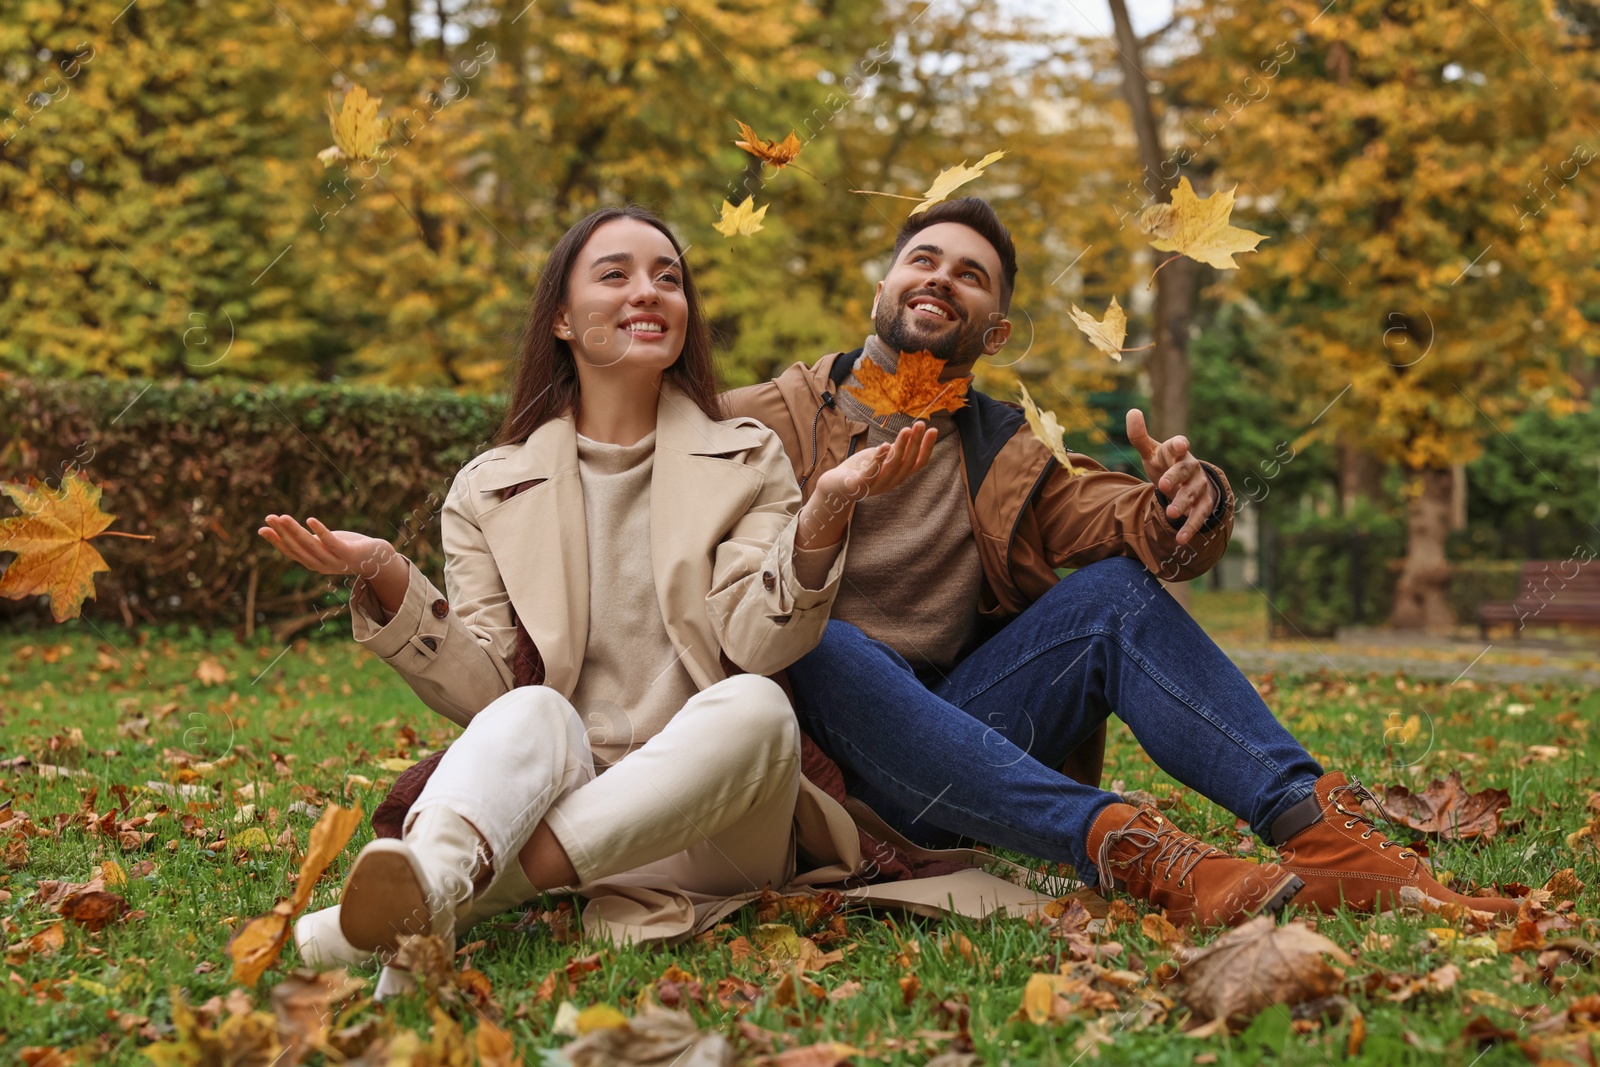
976,214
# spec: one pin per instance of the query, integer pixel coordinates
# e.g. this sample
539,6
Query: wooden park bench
1548,592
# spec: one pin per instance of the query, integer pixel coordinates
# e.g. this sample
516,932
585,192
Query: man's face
943,295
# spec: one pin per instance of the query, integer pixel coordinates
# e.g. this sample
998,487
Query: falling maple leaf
1047,429
51,540
1198,228
1253,966
779,153
741,221
357,129
913,389
1108,334
949,180
1445,809
255,946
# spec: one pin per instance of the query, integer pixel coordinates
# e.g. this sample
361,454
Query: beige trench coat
724,509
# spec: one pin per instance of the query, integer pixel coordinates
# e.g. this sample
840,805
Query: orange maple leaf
51,540
779,153
913,389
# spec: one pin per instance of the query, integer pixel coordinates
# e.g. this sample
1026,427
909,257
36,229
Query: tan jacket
723,513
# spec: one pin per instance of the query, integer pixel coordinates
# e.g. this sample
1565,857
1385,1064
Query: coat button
769,580
441,608
433,646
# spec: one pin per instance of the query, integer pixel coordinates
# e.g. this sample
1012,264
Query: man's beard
962,345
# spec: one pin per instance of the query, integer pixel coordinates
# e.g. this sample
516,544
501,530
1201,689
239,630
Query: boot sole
383,898
1285,892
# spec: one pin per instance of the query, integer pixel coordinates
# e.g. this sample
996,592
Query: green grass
312,723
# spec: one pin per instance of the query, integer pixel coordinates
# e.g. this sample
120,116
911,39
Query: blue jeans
973,753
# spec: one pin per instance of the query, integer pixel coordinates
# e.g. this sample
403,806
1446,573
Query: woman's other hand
328,551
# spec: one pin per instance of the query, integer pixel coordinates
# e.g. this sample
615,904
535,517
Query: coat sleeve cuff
798,597
386,639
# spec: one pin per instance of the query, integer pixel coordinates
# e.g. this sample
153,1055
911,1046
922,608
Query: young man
958,673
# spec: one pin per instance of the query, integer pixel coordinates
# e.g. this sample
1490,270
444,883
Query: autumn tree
1421,170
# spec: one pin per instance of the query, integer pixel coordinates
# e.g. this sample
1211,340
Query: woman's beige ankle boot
419,884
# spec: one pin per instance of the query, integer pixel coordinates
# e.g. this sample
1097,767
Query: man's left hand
1176,473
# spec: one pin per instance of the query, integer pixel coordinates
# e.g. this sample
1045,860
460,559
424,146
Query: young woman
632,551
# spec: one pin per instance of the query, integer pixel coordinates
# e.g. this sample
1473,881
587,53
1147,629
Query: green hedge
200,465
1323,573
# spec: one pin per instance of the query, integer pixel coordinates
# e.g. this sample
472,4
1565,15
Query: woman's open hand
327,551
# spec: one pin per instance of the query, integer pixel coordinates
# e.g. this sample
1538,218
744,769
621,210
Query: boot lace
1169,845
1362,794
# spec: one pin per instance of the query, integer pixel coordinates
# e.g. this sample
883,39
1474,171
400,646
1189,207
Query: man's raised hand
1176,473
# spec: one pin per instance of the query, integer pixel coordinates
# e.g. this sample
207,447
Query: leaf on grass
1229,981
779,153
822,1054
1198,228
255,945
1446,810
357,129
1047,430
913,389
51,539
654,1036
94,910
305,1004
598,1017
243,1037
494,1047
44,943
1108,334
741,221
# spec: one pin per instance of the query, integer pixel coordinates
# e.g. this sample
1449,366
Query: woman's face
625,302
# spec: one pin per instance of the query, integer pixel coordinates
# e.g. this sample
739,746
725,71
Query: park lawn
314,722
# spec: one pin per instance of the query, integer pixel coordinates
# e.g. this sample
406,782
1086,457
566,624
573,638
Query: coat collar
680,426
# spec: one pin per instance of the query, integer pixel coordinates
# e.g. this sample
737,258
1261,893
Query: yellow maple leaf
51,540
256,944
913,389
1047,429
779,153
953,178
741,221
1108,334
357,129
1198,228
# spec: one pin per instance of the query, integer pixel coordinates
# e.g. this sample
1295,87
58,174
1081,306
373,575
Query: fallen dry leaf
1198,228
305,1003
51,539
741,221
1108,334
655,1036
779,153
1446,810
255,946
1047,430
913,389
94,910
357,129
1255,965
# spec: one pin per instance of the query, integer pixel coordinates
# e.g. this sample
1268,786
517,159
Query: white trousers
706,805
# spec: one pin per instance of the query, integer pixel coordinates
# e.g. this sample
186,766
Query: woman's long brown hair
544,383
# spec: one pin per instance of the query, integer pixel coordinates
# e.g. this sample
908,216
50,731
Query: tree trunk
1360,478
1420,602
1168,362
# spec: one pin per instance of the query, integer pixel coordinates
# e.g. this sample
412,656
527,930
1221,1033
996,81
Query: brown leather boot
1140,852
1346,860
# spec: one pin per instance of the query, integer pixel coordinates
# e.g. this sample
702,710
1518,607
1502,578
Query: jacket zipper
816,460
